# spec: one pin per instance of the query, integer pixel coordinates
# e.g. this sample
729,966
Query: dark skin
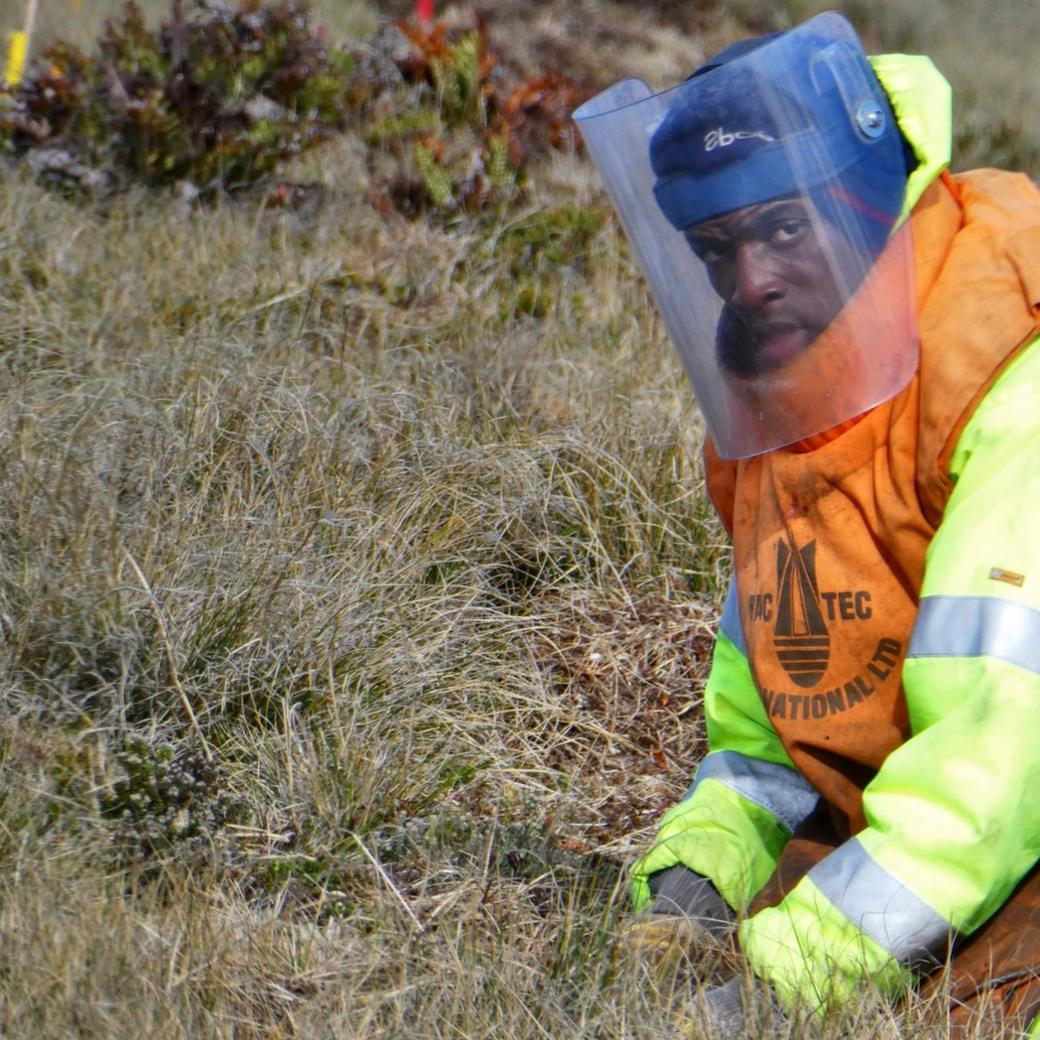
783,274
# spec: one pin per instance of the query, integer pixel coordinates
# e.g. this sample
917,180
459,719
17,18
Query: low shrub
214,98
462,127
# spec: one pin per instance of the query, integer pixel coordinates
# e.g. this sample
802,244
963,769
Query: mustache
734,345
742,344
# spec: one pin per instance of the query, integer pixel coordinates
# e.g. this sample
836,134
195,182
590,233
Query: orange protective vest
829,536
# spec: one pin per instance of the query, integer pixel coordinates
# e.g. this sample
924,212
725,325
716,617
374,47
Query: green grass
404,525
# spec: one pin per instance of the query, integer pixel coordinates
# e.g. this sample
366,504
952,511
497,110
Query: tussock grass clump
627,673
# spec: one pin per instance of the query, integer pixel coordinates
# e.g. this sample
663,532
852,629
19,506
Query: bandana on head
767,119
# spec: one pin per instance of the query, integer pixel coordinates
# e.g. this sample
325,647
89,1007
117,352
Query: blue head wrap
823,127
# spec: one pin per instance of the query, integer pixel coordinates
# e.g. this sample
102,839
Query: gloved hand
687,893
731,1011
716,832
724,1010
687,921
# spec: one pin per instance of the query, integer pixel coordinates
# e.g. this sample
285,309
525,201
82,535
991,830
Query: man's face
783,273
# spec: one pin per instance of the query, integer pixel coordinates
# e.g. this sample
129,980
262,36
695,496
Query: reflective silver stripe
729,623
880,905
777,789
977,626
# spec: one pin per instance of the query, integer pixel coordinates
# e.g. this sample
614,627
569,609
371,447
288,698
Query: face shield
762,198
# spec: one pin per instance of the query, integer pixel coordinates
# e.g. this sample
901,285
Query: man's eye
787,232
711,251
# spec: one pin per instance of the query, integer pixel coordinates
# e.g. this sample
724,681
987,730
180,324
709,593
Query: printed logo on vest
808,633
800,634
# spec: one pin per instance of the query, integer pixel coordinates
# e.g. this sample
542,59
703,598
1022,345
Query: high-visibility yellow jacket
913,708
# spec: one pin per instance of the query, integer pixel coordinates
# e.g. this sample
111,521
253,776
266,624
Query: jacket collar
923,104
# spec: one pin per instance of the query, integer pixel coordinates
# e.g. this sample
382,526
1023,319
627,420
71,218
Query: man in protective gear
860,328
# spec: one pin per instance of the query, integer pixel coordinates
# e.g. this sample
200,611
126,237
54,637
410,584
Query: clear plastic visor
793,311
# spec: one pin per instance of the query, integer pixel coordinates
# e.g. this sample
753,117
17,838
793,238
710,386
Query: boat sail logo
800,634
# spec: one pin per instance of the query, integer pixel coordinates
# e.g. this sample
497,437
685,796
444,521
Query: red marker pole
424,11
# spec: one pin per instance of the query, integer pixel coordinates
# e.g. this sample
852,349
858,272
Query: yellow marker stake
17,48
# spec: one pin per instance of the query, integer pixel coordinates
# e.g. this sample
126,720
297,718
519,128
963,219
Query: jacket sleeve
953,817
746,798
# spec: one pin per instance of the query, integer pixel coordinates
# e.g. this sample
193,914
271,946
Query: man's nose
756,279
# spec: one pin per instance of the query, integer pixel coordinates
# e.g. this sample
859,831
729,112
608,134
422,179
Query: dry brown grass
309,492
422,560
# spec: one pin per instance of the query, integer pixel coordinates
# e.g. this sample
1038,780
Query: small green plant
471,128
163,800
215,97
539,247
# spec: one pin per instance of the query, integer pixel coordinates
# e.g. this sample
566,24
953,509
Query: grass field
357,586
